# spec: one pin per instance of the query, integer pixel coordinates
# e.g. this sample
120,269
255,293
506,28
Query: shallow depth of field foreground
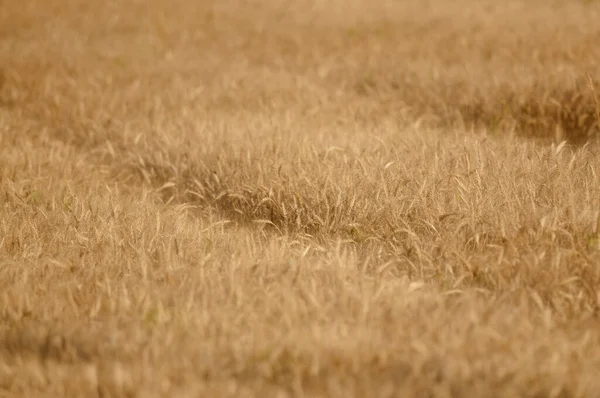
311,198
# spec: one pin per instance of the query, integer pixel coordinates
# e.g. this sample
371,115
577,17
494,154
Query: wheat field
344,198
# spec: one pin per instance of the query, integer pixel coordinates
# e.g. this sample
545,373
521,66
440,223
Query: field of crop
343,198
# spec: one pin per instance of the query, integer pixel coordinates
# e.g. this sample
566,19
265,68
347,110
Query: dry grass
269,198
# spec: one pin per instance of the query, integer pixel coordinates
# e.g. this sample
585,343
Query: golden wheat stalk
596,101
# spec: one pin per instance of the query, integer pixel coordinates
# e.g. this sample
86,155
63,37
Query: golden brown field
342,198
